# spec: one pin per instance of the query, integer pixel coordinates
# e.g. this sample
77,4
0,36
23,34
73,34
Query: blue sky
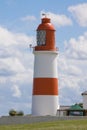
18,23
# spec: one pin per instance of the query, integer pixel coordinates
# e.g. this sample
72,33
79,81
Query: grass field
55,125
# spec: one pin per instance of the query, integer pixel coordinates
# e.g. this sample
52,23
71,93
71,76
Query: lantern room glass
41,37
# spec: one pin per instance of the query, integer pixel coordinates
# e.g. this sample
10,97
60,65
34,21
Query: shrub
12,112
20,113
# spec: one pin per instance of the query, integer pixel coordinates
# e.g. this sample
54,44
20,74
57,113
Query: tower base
44,105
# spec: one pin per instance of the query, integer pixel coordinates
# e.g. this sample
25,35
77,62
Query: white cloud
77,48
14,47
21,78
72,69
80,13
16,68
59,19
16,91
8,39
12,64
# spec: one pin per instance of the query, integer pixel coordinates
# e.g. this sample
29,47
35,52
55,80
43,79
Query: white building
63,110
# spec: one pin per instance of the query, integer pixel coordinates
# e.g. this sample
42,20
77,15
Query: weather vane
45,15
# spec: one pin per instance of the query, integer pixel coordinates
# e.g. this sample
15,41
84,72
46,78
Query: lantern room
45,36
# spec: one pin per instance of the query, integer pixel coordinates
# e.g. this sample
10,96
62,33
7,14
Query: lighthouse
45,80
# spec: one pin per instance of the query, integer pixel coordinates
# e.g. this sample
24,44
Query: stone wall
34,119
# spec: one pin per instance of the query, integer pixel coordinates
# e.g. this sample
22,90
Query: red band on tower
45,86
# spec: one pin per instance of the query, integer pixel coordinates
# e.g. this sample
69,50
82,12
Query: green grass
55,125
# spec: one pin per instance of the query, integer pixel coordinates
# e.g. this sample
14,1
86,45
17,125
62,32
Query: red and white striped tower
45,82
